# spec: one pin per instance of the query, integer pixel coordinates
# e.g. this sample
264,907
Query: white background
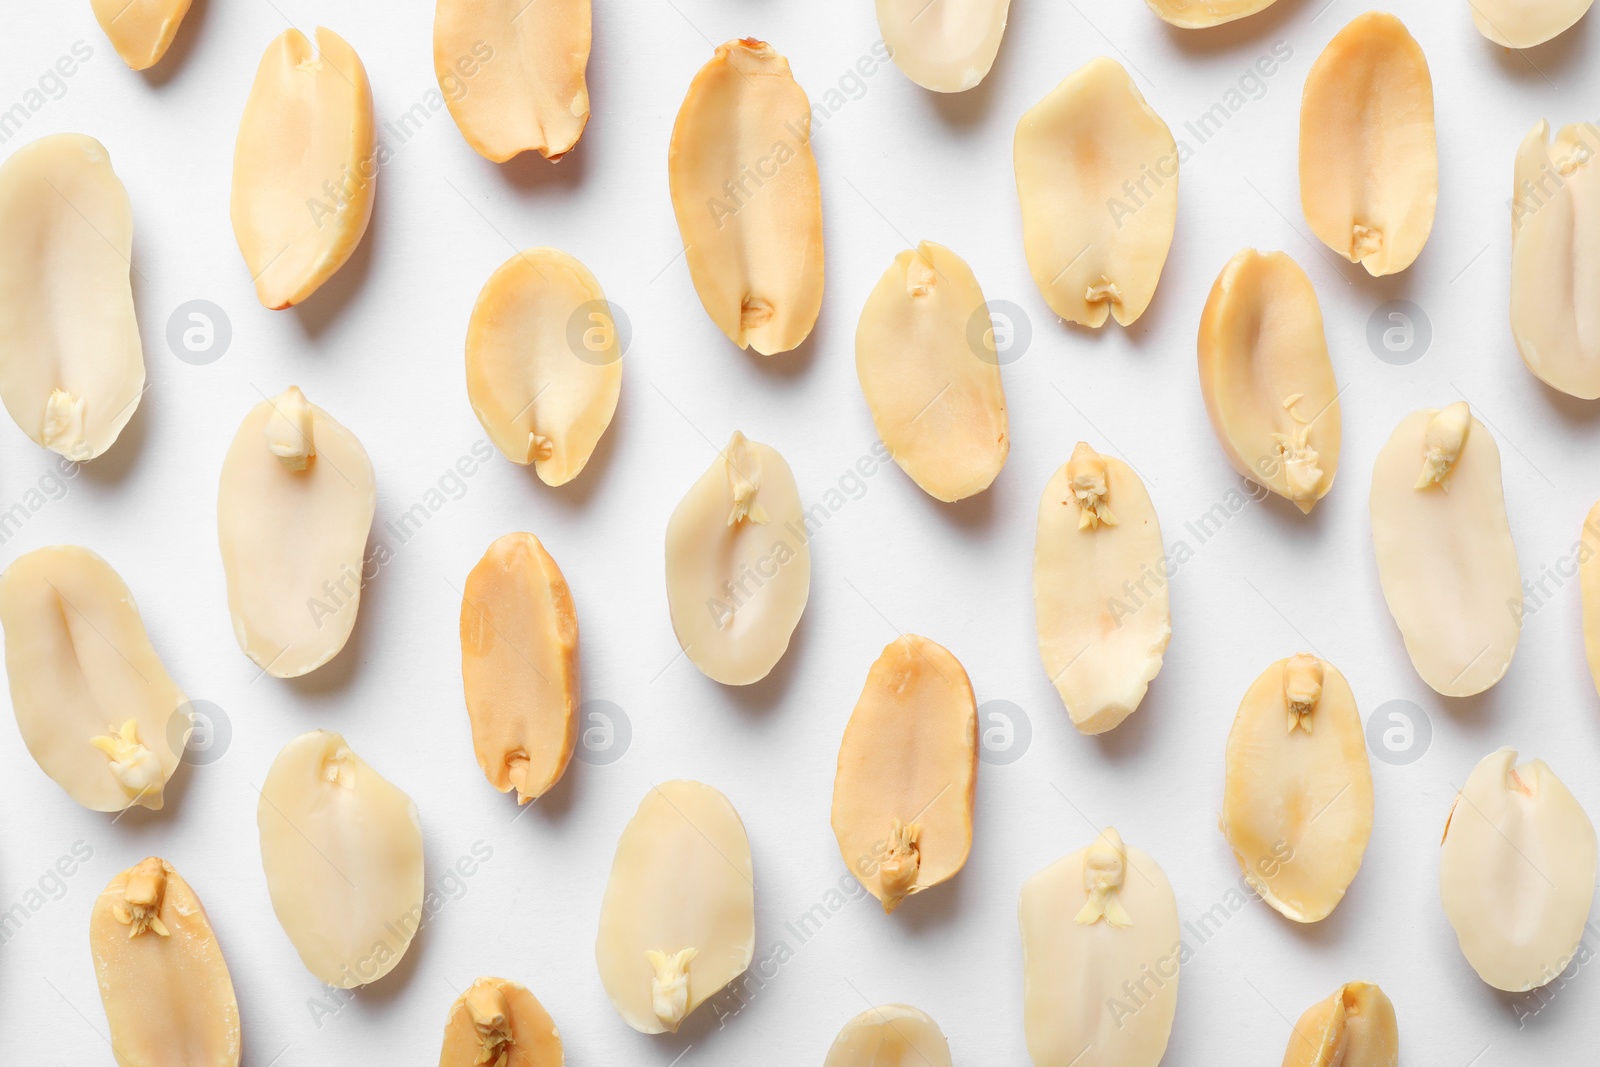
381,348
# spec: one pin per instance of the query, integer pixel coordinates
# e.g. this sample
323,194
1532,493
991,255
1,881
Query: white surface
381,348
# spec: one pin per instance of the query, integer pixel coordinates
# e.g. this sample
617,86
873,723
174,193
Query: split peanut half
1199,14
1099,589
1369,164
738,564
544,363
678,920
944,45
294,508
894,1035
1525,23
71,363
166,989
1297,804
926,359
512,73
519,666
342,850
1100,954
1097,176
747,197
94,705
1445,557
140,30
1266,377
305,166
1589,589
908,772
1555,250
1355,1027
498,1023
1516,872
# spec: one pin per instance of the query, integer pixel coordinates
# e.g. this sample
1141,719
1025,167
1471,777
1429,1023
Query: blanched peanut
908,771
1266,377
747,197
519,666
1555,246
1525,23
1516,872
738,564
894,1035
1355,1027
140,30
166,989
1297,804
1100,955
544,363
95,706
305,166
342,850
1369,165
932,378
498,1023
512,73
1097,175
1198,14
71,364
1099,589
294,508
1445,557
944,45
678,919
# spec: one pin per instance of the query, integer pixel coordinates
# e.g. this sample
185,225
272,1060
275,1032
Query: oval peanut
947,46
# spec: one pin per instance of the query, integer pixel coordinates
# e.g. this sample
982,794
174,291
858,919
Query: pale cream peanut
1445,556
1525,23
944,45
926,359
892,1035
342,851
71,363
94,704
1097,178
1198,14
1099,588
678,919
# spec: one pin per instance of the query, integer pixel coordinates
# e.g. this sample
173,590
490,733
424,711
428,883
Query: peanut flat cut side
166,989
94,704
908,772
71,363
519,666
893,1035
1266,377
305,166
513,73
140,30
1097,178
1369,164
747,198
498,1022
947,46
